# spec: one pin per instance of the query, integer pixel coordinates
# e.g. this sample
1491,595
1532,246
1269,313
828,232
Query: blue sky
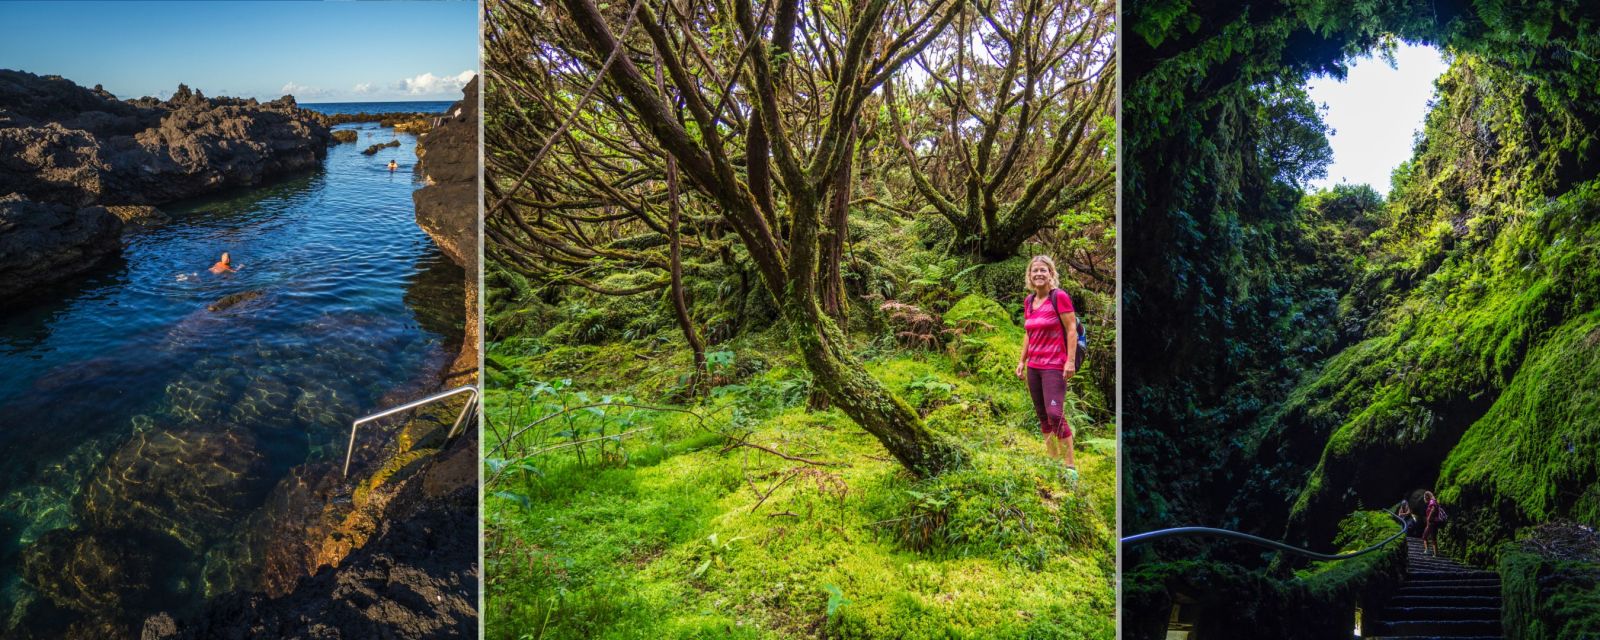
317,51
1375,114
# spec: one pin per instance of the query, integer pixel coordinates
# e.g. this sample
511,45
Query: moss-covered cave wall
1454,347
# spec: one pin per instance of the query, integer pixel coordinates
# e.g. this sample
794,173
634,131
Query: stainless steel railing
467,409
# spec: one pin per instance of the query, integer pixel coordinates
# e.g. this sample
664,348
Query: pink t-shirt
1047,348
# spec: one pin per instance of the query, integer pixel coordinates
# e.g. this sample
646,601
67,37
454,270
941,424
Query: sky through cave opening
1376,112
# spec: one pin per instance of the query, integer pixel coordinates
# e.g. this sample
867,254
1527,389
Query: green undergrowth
1549,597
666,528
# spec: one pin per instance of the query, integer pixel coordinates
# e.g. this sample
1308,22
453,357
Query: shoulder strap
1057,308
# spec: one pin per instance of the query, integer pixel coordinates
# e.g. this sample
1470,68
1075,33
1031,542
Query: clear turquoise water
355,304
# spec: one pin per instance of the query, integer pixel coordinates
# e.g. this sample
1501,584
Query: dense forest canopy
1339,350
720,156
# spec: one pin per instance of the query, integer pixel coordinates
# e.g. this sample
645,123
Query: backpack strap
1027,308
1083,340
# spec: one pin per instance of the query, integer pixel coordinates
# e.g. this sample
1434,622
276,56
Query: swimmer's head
224,257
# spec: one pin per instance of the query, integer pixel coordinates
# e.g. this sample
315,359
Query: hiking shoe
1071,475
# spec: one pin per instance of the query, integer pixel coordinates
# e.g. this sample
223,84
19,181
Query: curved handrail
1178,532
467,409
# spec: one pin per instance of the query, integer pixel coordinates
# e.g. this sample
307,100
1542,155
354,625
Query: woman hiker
1049,355
1433,515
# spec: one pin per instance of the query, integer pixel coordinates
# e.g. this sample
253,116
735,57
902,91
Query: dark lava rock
417,577
233,299
345,135
102,571
447,207
189,484
66,144
41,244
138,214
379,147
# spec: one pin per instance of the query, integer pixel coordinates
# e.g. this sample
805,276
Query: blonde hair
1027,275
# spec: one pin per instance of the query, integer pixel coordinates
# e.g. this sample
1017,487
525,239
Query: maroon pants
1049,391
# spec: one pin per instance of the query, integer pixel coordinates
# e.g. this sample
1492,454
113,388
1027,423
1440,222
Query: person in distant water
1049,356
393,165
223,266
1432,516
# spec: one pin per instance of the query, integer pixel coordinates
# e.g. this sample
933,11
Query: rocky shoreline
79,156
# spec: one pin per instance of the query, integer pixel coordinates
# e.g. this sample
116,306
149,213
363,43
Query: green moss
613,551
1549,599
1486,376
399,466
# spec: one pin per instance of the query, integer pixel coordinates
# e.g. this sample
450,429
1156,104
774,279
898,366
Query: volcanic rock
185,483
138,214
447,207
62,143
233,299
379,147
98,571
345,135
41,244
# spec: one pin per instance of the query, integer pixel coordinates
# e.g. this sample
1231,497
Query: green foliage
998,512
1548,598
580,549
1223,600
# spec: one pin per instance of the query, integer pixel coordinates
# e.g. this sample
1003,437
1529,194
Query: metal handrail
472,403
1273,544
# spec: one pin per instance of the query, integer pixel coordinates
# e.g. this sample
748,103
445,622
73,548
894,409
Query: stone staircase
1440,598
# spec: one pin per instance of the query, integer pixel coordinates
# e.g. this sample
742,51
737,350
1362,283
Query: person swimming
223,266
393,165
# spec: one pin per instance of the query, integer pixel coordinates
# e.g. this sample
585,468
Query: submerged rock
233,299
98,572
188,484
379,147
416,576
41,244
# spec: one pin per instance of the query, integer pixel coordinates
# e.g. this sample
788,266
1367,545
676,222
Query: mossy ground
668,535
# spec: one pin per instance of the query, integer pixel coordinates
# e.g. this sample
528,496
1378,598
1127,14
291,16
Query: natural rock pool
148,411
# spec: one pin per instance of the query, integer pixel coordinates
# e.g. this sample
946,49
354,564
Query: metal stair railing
1181,532
467,409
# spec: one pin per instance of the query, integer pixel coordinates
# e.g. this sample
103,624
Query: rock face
66,144
447,208
44,243
416,576
138,214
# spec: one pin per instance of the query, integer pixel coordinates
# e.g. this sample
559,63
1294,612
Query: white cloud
302,92
429,84
363,87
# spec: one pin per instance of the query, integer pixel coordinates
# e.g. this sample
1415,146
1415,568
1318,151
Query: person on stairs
1433,516
1049,356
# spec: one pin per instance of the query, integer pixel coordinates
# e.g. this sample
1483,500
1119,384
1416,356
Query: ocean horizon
412,106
